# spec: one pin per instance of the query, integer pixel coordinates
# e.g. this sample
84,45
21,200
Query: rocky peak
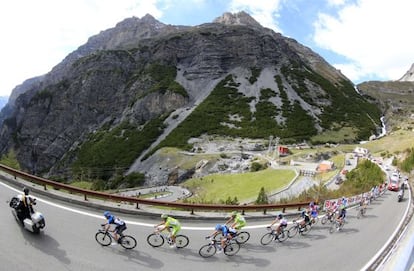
240,18
148,20
409,75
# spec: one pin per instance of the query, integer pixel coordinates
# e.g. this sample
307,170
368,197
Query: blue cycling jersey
113,220
224,230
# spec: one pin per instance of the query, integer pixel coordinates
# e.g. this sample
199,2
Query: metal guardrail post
85,197
264,211
137,206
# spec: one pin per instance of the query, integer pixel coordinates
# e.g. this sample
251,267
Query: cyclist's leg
174,232
118,231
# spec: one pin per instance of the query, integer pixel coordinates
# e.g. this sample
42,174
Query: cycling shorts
175,230
120,228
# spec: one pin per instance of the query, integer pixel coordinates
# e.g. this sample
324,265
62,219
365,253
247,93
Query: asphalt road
68,242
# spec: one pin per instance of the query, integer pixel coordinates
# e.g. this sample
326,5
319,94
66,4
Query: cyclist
236,221
227,234
120,225
172,225
313,211
341,215
282,223
364,203
305,216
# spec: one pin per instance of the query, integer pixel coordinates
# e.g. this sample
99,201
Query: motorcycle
32,221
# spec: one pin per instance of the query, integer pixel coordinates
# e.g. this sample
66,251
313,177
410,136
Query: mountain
3,101
395,99
144,85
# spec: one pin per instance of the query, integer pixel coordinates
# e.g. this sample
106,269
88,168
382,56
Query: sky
365,39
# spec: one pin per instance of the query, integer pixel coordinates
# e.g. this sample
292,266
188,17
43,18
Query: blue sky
365,39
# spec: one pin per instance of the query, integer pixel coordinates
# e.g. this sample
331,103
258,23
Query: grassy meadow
245,186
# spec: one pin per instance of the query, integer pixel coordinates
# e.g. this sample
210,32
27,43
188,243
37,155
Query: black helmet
26,191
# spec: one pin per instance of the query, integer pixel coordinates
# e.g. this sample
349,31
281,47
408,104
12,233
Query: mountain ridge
142,78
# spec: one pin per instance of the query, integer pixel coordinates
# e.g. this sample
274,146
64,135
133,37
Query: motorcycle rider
27,204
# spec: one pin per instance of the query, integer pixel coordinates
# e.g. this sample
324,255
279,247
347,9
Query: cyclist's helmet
107,214
218,227
26,191
233,213
280,216
164,216
311,204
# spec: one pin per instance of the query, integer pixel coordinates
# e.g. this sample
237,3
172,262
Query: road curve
68,242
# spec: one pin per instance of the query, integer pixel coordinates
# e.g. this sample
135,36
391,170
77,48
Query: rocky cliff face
409,75
143,69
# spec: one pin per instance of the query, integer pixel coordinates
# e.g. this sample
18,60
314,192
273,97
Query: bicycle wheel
306,229
231,248
103,238
155,240
293,231
207,250
283,236
128,242
181,241
267,238
324,219
242,237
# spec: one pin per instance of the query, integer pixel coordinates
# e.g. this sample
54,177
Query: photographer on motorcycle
27,204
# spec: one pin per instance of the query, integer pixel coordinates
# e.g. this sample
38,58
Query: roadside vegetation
10,160
360,180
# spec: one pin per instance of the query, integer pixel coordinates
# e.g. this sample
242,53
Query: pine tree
262,197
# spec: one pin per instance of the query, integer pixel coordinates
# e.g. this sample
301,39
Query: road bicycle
268,237
297,228
157,239
361,211
328,217
208,250
240,237
105,237
336,226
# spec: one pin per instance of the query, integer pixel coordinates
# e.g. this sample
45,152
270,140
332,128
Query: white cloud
375,35
336,2
263,11
37,35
